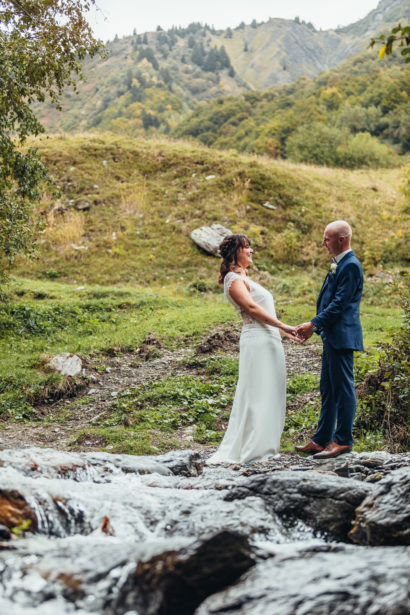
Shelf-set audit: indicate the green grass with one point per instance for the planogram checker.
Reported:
(75, 321)
(44, 318)
(142, 273)
(137, 441)
(157, 411)
(145, 198)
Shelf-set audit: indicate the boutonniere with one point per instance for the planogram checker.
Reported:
(333, 268)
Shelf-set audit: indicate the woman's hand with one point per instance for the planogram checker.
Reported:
(291, 333)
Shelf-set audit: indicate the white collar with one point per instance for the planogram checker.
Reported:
(339, 257)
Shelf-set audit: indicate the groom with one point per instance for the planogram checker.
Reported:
(338, 323)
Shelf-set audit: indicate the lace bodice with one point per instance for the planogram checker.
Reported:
(260, 295)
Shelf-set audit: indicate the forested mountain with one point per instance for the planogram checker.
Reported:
(345, 117)
(149, 82)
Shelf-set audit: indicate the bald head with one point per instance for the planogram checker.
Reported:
(340, 228)
(337, 237)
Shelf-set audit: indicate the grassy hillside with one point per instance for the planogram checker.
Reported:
(116, 263)
(128, 207)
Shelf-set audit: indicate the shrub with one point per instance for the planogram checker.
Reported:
(384, 395)
(314, 143)
(363, 150)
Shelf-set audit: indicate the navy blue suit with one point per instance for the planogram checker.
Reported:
(338, 322)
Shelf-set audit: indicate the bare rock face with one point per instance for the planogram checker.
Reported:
(324, 502)
(383, 518)
(67, 364)
(209, 237)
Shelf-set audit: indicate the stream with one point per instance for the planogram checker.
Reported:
(94, 532)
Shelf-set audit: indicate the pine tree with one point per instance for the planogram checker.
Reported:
(212, 61)
(198, 54)
(224, 58)
(149, 55)
(128, 79)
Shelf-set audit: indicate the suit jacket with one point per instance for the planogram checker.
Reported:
(338, 305)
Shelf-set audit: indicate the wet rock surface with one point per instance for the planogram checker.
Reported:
(117, 534)
(383, 518)
(324, 502)
(309, 581)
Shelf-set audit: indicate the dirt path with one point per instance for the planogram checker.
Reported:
(58, 423)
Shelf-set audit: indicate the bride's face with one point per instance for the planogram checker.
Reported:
(244, 256)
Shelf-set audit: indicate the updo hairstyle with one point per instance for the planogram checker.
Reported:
(228, 250)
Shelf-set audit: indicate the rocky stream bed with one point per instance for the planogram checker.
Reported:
(118, 534)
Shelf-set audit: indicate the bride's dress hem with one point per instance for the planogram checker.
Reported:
(223, 461)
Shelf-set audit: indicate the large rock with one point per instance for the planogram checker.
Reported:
(209, 237)
(176, 582)
(304, 581)
(325, 502)
(383, 518)
(171, 576)
(67, 364)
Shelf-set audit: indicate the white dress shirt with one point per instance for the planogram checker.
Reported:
(339, 257)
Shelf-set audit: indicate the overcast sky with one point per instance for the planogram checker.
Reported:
(122, 16)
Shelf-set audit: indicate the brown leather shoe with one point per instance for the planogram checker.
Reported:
(310, 447)
(333, 450)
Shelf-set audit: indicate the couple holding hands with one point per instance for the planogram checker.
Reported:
(258, 412)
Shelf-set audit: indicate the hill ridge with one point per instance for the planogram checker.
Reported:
(150, 81)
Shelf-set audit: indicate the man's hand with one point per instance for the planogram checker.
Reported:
(305, 330)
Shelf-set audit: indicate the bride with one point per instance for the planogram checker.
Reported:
(258, 411)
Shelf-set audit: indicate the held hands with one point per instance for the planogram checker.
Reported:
(292, 333)
(304, 331)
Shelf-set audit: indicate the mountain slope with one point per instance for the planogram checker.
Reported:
(128, 207)
(149, 82)
(358, 106)
(281, 51)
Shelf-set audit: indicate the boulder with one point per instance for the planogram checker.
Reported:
(325, 502)
(209, 237)
(383, 518)
(308, 581)
(67, 364)
(82, 205)
(178, 581)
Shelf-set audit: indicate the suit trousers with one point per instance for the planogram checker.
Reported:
(338, 397)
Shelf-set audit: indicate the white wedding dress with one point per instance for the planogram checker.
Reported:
(258, 411)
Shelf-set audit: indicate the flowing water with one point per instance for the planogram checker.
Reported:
(115, 534)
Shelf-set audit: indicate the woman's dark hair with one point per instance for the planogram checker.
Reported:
(228, 249)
